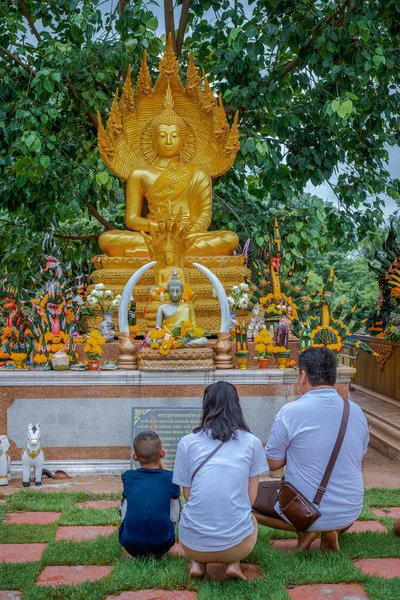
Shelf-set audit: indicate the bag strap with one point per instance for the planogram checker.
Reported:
(207, 459)
(335, 452)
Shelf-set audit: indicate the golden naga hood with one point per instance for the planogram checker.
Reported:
(127, 141)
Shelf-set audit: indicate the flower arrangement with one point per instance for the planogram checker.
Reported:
(161, 340)
(239, 298)
(187, 294)
(105, 299)
(392, 331)
(291, 364)
(94, 345)
(280, 350)
(187, 332)
(326, 336)
(264, 344)
(134, 330)
(241, 338)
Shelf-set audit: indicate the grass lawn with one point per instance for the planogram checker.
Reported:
(281, 570)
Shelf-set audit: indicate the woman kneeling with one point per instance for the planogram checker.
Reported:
(218, 466)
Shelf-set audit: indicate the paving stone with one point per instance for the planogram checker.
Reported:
(80, 533)
(100, 504)
(328, 591)
(291, 544)
(217, 571)
(155, 595)
(62, 575)
(392, 511)
(381, 567)
(177, 550)
(21, 553)
(361, 526)
(33, 518)
(9, 595)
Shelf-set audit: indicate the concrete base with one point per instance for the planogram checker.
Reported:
(87, 416)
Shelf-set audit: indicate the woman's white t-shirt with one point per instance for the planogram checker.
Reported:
(218, 513)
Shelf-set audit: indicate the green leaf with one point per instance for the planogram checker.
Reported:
(299, 225)
(345, 108)
(44, 161)
(351, 96)
(152, 23)
(364, 33)
(320, 216)
(335, 104)
(102, 177)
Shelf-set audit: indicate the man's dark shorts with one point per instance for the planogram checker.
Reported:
(267, 497)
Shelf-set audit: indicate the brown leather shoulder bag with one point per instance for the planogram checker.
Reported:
(293, 504)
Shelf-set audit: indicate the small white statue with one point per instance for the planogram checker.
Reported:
(5, 461)
(32, 456)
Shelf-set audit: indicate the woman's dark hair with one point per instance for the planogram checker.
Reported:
(222, 413)
(319, 364)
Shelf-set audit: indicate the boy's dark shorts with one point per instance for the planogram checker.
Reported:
(267, 497)
(143, 549)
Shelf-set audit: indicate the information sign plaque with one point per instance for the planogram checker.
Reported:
(171, 424)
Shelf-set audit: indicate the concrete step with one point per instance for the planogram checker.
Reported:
(383, 415)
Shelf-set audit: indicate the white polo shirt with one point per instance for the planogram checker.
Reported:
(305, 431)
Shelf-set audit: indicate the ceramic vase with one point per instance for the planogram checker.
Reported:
(242, 358)
(281, 359)
(263, 362)
(93, 365)
(107, 327)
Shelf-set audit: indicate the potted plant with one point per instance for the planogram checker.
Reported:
(94, 349)
(263, 348)
(108, 304)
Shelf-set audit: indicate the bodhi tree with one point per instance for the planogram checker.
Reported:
(315, 84)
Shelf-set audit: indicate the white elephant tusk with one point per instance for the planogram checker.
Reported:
(127, 294)
(223, 300)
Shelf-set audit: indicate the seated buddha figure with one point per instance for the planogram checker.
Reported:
(167, 142)
(177, 312)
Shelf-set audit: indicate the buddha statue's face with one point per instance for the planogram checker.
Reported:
(175, 292)
(168, 140)
(169, 257)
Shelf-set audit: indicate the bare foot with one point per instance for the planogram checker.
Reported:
(235, 572)
(198, 569)
(305, 540)
(329, 541)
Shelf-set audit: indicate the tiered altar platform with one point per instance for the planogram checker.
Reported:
(85, 417)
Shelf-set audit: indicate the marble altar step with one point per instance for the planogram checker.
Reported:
(383, 416)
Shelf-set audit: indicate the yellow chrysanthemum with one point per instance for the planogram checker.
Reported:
(198, 332)
(94, 334)
(101, 340)
(260, 348)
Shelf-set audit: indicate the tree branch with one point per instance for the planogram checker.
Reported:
(182, 26)
(31, 22)
(217, 197)
(19, 62)
(97, 216)
(170, 21)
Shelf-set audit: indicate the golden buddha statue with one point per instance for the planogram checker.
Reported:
(167, 142)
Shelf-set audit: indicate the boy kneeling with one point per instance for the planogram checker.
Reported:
(146, 528)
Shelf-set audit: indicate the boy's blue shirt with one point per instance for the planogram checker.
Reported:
(148, 493)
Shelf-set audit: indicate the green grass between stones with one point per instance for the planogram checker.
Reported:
(281, 570)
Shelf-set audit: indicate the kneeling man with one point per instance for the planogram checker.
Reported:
(302, 437)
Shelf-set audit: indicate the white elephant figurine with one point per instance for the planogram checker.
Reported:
(5, 461)
(32, 456)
